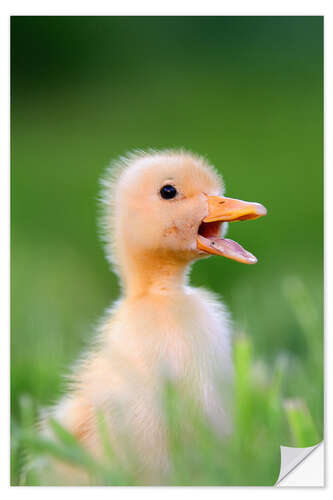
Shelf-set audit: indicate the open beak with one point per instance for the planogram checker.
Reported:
(221, 210)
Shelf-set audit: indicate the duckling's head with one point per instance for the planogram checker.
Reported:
(170, 205)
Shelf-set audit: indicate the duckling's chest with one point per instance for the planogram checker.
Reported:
(184, 336)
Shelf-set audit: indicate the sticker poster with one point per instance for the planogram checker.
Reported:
(166, 250)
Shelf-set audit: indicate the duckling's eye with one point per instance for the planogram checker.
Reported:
(168, 192)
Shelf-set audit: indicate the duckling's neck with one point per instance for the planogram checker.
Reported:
(154, 274)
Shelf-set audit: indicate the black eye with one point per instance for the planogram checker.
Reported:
(168, 192)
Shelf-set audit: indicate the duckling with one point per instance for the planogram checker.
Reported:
(162, 211)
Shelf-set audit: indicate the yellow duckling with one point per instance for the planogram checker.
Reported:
(163, 211)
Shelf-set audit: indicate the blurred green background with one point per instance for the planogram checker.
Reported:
(247, 92)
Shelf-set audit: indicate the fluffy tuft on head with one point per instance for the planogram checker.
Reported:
(136, 220)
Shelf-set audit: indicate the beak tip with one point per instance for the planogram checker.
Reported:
(261, 210)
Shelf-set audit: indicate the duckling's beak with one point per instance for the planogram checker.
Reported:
(221, 210)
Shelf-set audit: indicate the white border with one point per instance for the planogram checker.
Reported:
(172, 7)
(4, 270)
(142, 7)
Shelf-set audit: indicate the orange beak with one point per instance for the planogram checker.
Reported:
(221, 210)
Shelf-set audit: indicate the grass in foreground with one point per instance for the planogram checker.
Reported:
(263, 419)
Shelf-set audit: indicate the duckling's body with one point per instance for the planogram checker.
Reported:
(160, 327)
(182, 335)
